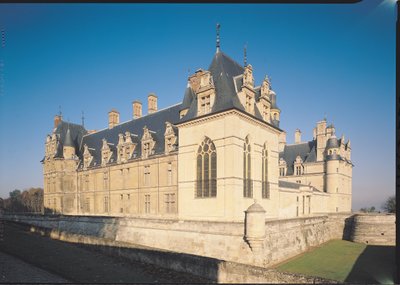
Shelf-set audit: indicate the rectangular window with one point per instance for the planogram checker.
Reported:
(205, 107)
(87, 205)
(147, 175)
(147, 204)
(105, 181)
(86, 182)
(169, 200)
(304, 201)
(170, 173)
(105, 204)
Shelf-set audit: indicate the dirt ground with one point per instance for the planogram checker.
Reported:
(80, 265)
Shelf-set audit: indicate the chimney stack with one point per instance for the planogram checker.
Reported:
(113, 118)
(137, 109)
(282, 141)
(297, 136)
(57, 120)
(152, 103)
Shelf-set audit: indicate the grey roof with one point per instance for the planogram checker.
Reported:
(187, 98)
(306, 151)
(332, 143)
(155, 122)
(68, 139)
(223, 70)
(273, 101)
(287, 184)
(76, 132)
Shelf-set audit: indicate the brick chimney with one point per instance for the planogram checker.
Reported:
(113, 118)
(57, 120)
(297, 136)
(152, 103)
(137, 109)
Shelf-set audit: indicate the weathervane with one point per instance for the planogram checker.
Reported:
(59, 110)
(218, 27)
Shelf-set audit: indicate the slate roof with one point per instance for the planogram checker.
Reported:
(76, 134)
(307, 152)
(155, 122)
(226, 74)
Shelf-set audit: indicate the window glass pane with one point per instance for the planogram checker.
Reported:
(199, 176)
(206, 175)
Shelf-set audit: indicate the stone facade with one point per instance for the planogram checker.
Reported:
(206, 158)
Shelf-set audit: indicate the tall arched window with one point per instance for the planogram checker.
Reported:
(206, 170)
(247, 182)
(265, 187)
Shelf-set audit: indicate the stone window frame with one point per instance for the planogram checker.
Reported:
(247, 181)
(265, 189)
(146, 175)
(147, 200)
(170, 201)
(169, 174)
(106, 204)
(206, 169)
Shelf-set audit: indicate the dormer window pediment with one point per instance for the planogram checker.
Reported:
(170, 138)
(87, 157)
(148, 143)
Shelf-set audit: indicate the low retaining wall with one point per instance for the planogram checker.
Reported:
(210, 268)
(220, 241)
(375, 229)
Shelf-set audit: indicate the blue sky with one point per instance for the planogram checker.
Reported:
(335, 60)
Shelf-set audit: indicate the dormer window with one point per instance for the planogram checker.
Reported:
(105, 153)
(249, 103)
(298, 166)
(205, 106)
(265, 112)
(282, 167)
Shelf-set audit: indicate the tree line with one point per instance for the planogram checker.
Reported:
(27, 201)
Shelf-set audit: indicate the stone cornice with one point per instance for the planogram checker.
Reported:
(247, 117)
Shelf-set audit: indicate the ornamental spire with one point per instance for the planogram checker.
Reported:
(218, 43)
(245, 55)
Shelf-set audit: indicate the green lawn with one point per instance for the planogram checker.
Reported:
(346, 261)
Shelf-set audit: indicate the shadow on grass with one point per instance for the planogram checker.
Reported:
(375, 265)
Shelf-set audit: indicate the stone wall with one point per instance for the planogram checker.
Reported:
(221, 240)
(375, 229)
(216, 270)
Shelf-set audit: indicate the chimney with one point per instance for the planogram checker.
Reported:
(152, 103)
(113, 118)
(297, 136)
(282, 141)
(57, 120)
(137, 109)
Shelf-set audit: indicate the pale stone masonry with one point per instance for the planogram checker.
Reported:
(207, 158)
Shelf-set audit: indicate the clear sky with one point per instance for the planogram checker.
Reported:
(333, 60)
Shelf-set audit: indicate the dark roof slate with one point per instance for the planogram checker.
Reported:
(76, 133)
(155, 122)
(306, 151)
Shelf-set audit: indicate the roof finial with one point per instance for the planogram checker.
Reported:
(83, 120)
(218, 45)
(59, 110)
(245, 55)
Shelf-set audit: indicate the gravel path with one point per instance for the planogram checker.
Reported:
(80, 265)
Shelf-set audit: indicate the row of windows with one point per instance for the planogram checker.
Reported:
(169, 203)
(206, 168)
(146, 178)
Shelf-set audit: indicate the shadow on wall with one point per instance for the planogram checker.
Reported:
(348, 228)
(376, 260)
